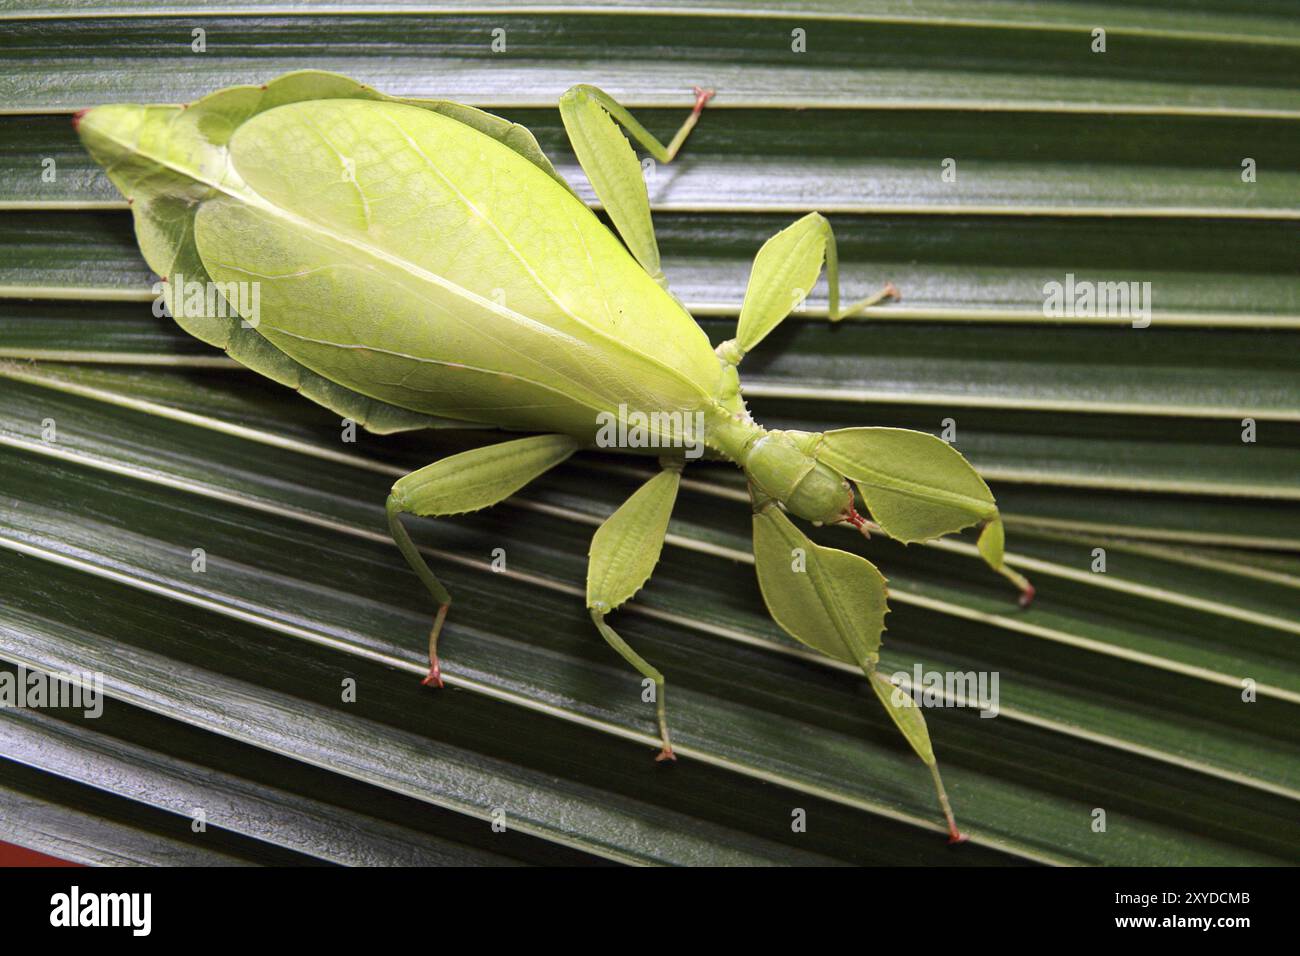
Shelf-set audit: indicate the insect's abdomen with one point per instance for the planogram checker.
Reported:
(416, 260)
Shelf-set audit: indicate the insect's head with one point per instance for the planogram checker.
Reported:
(782, 465)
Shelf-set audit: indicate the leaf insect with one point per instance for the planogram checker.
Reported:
(419, 261)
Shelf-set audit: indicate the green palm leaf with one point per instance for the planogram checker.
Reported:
(1120, 690)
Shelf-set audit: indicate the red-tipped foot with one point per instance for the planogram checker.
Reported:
(702, 96)
(76, 118)
(434, 678)
(956, 837)
(1027, 595)
(666, 754)
(892, 292)
(858, 522)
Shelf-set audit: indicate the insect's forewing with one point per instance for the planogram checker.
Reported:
(167, 160)
(415, 260)
(402, 255)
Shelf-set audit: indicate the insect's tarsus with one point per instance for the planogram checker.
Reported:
(434, 677)
(861, 523)
(1027, 590)
(954, 835)
(598, 611)
(702, 96)
(404, 543)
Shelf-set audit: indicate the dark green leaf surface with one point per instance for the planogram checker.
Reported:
(316, 500)
(1264, 22)
(1119, 689)
(831, 161)
(965, 269)
(104, 754)
(752, 59)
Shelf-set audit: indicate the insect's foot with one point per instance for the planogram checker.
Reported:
(434, 677)
(955, 836)
(891, 292)
(1027, 594)
(702, 96)
(859, 522)
(666, 754)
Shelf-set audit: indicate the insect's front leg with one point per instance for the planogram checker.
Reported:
(466, 482)
(835, 602)
(784, 272)
(918, 487)
(624, 552)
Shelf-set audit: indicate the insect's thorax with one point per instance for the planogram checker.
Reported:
(781, 465)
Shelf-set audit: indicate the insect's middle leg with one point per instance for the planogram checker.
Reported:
(784, 272)
(459, 483)
(623, 554)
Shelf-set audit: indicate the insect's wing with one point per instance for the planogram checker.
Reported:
(519, 138)
(372, 223)
(151, 154)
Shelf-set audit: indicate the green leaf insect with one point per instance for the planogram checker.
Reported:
(417, 262)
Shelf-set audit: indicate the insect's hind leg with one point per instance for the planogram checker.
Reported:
(624, 551)
(459, 483)
(430, 580)
(590, 117)
(619, 113)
